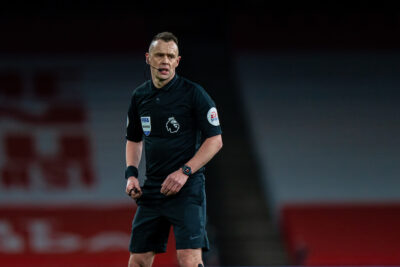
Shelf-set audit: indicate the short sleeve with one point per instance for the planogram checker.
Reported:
(206, 113)
(134, 130)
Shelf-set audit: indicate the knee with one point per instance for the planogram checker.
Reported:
(137, 260)
(189, 259)
(187, 262)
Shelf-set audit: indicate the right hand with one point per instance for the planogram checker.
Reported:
(132, 184)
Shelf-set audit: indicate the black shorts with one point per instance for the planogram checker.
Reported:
(185, 212)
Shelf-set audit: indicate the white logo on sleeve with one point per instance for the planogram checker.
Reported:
(212, 116)
(127, 121)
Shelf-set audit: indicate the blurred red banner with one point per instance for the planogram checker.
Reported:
(78, 235)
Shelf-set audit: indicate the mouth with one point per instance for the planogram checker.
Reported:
(163, 71)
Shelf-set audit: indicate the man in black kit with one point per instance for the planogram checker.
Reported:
(180, 126)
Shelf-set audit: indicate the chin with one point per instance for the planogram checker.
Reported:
(164, 77)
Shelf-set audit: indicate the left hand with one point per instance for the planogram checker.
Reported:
(173, 183)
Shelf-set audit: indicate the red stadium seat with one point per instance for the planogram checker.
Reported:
(346, 234)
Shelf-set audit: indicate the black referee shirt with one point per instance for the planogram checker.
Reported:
(173, 120)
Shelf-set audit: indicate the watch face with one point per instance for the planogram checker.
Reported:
(186, 170)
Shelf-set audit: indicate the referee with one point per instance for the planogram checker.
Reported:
(179, 125)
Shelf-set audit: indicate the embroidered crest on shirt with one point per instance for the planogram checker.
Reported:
(172, 125)
(146, 125)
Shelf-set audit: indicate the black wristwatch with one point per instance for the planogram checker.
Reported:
(186, 170)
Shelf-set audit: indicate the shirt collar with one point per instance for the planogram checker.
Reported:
(167, 86)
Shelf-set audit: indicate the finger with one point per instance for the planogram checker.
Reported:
(165, 188)
(168, 188)
(179, 188)
(128, 189)
(130, 186)
(174, 189)
(136, 194)
(165, 181)
(165, 185)
(135, 191)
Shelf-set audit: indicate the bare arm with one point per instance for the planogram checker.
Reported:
(210, 147)
(133, 153)
(133, 156)
(206, 152)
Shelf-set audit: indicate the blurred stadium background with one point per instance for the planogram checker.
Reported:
(308, 96)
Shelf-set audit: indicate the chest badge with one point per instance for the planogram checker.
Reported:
(146, 125)
(172, 125)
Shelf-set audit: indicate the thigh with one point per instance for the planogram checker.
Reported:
(187, 214)
(150, 231)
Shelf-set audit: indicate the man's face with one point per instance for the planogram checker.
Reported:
(164, 56)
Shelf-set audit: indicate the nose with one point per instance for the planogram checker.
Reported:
(165, 59)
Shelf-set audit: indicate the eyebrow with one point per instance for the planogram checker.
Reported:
(161, 54)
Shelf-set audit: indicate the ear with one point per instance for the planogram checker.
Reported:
(177, 60)
(147, 58)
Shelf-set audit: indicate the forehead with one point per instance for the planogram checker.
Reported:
(160, 46)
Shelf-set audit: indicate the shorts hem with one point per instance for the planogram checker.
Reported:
(203, 246)
(144, 250)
